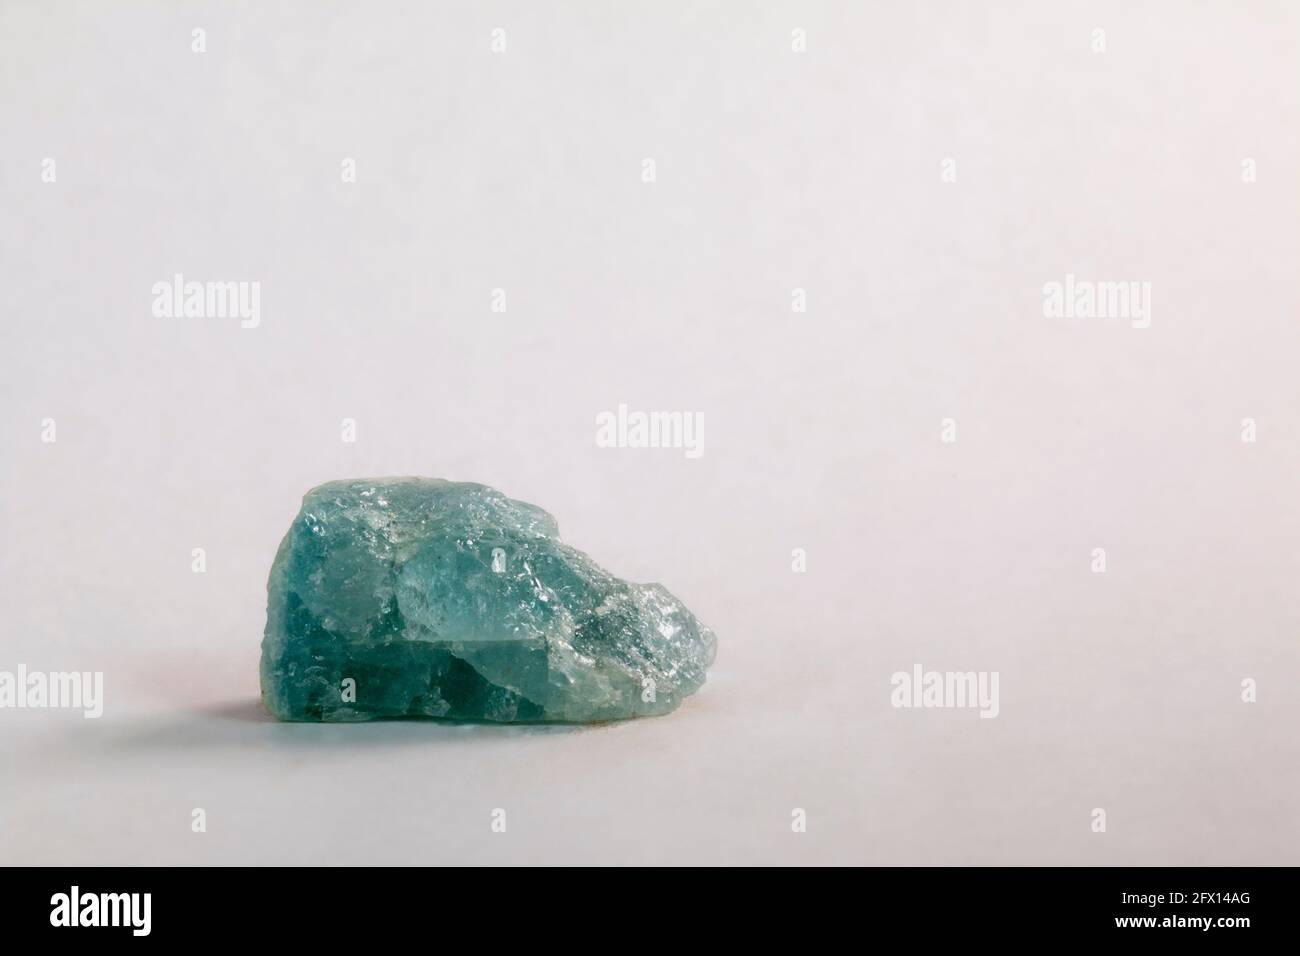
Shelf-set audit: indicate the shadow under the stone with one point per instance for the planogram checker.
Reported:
(252, 711)
(245, 724)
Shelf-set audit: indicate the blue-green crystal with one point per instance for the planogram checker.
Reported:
(418, 597)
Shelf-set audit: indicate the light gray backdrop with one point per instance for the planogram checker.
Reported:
(1122, 155)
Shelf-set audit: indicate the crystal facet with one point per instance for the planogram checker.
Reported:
(418, 597)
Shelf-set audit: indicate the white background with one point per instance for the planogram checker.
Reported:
(775, 170)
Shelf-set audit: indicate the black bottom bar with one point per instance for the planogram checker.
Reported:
(333, 906)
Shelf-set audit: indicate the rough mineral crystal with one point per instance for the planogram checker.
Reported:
(418, 597)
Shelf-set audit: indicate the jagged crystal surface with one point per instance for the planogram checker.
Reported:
(418, 597)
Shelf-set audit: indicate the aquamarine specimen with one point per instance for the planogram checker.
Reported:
(418, 597)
